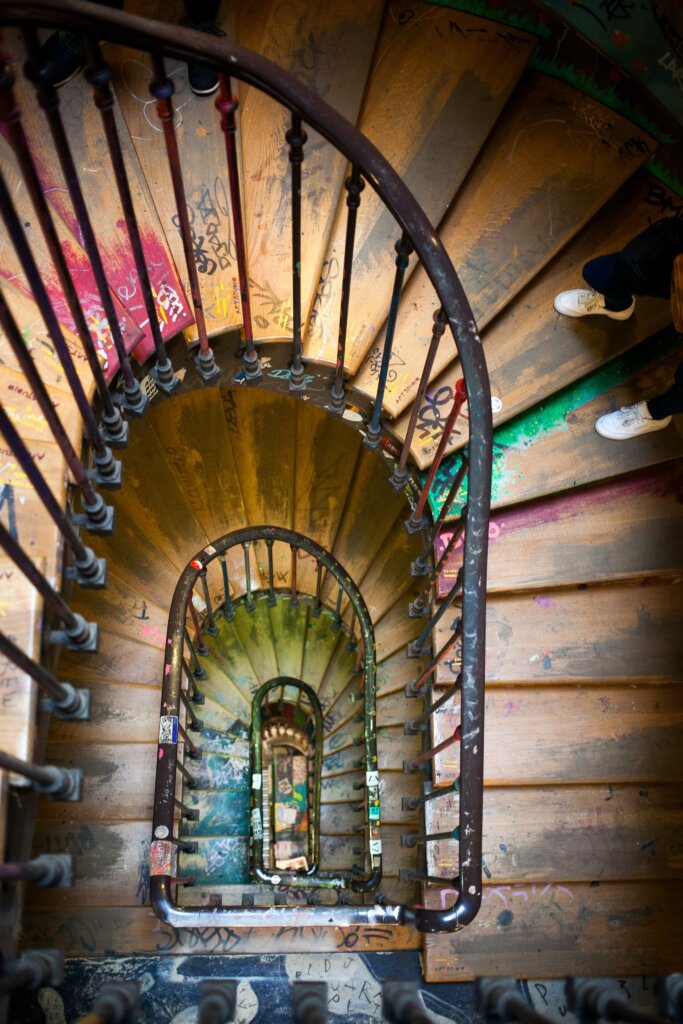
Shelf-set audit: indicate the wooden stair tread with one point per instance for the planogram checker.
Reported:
(118, 780)
(568, 833)
(459, 71)
(531, 351)
(552, 931)
(320, 643)
(561, 735)
(602, 633)
(256, 636)
(123, 610)
(571, 538)
(335, 61)
(119, 713)
(551, 162)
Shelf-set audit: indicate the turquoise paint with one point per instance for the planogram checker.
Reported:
(524, 22)
(221, 813)
(548, 417)
(220, 860)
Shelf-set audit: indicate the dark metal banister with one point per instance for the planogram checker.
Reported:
(196, 47)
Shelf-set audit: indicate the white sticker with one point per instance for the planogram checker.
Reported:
(168, 729)
(161, 831)
(256, 827)
(256, 781)
(372, 779)
(496, 405)
(210, 550)
(375, 847)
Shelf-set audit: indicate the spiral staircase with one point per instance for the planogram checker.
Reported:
(317, 413)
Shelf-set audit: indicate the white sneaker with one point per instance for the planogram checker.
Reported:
(584, 301)
(629, 421)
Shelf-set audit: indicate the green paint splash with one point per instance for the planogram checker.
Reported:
(550, 416)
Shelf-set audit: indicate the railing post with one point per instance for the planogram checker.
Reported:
(47, 871)
(354, 187)
(217, 1001)
(402, 1003)
(309, 1002)
(296, 138)
(33, 970)
(63, 699)
(56, 783)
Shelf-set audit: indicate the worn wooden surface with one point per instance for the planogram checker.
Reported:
(532, 351)
(553, 930)
(334, 61)
(571, 538)
(438, 83)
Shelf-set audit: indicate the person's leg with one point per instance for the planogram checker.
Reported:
(604, 276)
(671, 402)
(202, 14)
(63, 53)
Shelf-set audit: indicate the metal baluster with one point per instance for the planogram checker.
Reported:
(116, 1003)
(248, 599)
(337, 621)
(199, 635)
(77, 634)
(162, 88)
(317, 607)
(55, 783)
(192, 751)
(227, 105)
(402, 1003)
(48, 870)
(33, 970)
(212, 628)
(272, 600)
(108, 469)
(415, 689)
(228, 609)
(417, 606)
(309, 1002)
(63, 699)
(296, 137)
(420, 724)
(198, 670)
(196, 694)
(351, 645)
(354, 187)
(409, 839)
(217, 1001)
(189, 813)
(411, 803)
(88, 570)
(428, 755)
(98, 73)
(416, 521)
(499, 999)
(134, 400)
(98, 517)
(403, 248)
(196, 724)
(400, 473)
(190, 779)
(416, 648)
(407, 875)
(421, 564)
(294, 597)
(594, 999)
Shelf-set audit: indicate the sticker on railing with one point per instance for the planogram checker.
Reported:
(168, 729)
(256, 827)
(256, 781)
(210, 550)
(373, 813)
(376, 847)
(371, 779)
(196, 564)
(161, 857)
(161, 832)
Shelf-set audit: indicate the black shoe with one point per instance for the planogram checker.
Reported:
(203, 81)
(63, 55)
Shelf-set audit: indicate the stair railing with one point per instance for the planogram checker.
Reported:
(416, 234)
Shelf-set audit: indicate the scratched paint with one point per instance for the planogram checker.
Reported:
(549, 417)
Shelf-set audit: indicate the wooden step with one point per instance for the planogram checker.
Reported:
(624, 632)
(609, 531)
(255, 633)
(608, 929)
(615, 735)
(320, 643)
(119, 780)
(395, 629)
(337, 679)
(225, 859)
(124, 610)
(459, 71)
(531, 351)
(334, 62)
(119, 713)
(552, 161)
(568, 833)
(554, 446)
(119, 660)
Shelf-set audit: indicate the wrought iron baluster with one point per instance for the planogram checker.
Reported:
(211, 627)
(196, 724)
(271, 576)
(417, 606)
(400, 473)
(309, 1002)
(48, 870)
(296, 137)
(78, 634)
(337, 620)
(227, 105)
(248, 598)
(428, 755)
(162, 88)
(421, 564)
(186, 845)
(99, 74)
(411, 803)
(99, 518)
(190, 779)
(294, 596)
(134, 399)
(55, 783)
(416, 688)
(403, 248)
(88, 570)
(33, 970)
(189, 813)
(354, 187)
(217, 1001)
(228, 609)
(402, 1003)
(317, 607)
(420, 724)
(196, 694)
(63, 699)
(416, 647)
(116, 1003)
(416, 521)
(409, 839)
(191, 749)
(199, 635)
(198, 669)
(108, 468)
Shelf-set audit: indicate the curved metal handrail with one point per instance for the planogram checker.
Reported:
(257, 779)
(230, 59)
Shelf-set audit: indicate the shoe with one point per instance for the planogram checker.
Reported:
(629, 421)
(583, 301)
(63, 56)
(203, 81)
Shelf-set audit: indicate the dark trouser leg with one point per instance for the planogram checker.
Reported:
(671, 402)
(200, 12)
(604, 276)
